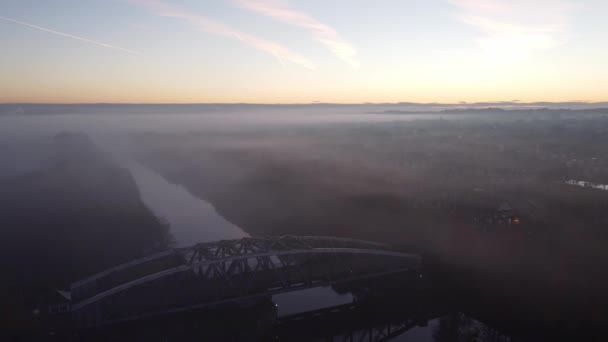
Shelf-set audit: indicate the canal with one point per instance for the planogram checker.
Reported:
(192, 220)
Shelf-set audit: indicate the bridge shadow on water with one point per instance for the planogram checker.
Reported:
(383, 308)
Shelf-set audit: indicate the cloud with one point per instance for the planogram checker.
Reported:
(209, 25)
(515, 29)
(82, 39)
(321, 33)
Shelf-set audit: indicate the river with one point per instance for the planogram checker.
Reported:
(192, 220)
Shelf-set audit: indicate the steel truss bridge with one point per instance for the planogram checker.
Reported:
(228, 272)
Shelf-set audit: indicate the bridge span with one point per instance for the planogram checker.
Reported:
(228, 272)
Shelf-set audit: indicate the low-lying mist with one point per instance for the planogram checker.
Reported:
(486, 195)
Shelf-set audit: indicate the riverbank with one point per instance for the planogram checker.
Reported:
(68, 211)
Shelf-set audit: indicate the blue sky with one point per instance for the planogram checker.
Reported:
(302, 51)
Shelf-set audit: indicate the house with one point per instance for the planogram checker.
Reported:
(507, 214)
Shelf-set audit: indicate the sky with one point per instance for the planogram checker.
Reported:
(302, 51)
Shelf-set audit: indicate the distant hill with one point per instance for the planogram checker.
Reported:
(387, 108)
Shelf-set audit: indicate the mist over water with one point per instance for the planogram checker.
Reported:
(112, 132)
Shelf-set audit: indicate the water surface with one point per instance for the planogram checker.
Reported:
(192, 220)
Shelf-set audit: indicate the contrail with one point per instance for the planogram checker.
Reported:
(72, 36)
(210, 25)
(321, 33)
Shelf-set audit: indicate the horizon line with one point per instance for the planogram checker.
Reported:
(311, 103)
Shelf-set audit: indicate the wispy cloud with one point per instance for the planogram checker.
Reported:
(67, 35)
(321, 33)
(209, 25)
(515, 29)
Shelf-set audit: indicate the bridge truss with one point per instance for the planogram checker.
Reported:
(228, 271)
